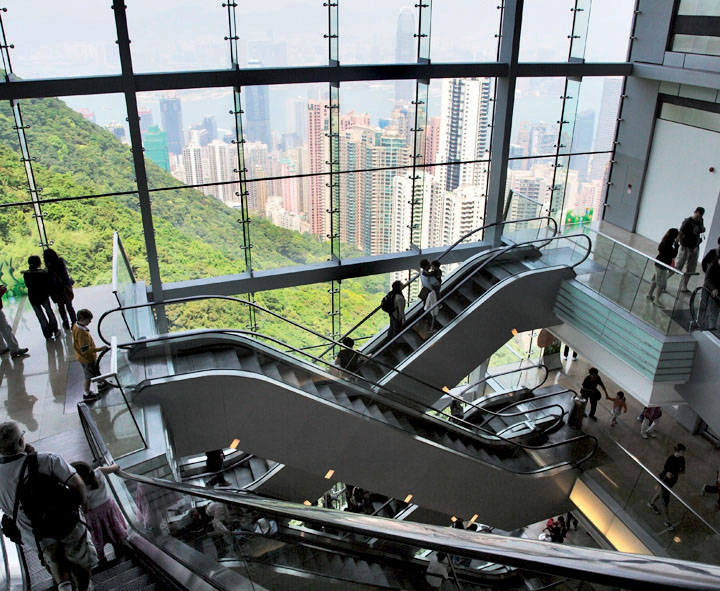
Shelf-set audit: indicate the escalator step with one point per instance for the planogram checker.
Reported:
(288, 376)
(376, 413)
(258, 467)
(391, 419)
(243, 475)
(139, 584)
(342, 399)
(271, 370)
(324, 391)
(226, 359)
(359, 405)
(250, 363)
(309, 387)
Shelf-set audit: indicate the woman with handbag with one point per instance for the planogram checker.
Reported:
(62, 291)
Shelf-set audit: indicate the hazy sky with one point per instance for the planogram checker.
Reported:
(76, 37)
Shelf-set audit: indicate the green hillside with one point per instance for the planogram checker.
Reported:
(197, 236)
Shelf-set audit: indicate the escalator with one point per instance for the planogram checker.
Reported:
(314, 548)
(241, 381)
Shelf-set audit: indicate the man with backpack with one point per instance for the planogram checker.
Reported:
(40, 496)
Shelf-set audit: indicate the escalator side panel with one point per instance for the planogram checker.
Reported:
(484, 327)
(275, 421)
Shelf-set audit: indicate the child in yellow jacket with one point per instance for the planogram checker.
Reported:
(86, 352)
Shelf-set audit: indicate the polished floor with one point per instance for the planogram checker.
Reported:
(34, 391)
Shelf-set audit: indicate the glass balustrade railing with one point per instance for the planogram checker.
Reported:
(681, 533)
(705, 310)
(239, 540)
(625, 276)
(119, 419)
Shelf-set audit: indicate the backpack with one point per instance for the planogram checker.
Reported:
(50, 505)
(388, 302)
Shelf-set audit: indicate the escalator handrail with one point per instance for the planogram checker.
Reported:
(501, 413)
(595, 565)
(495, 254)
(288, 347)
(505, 373)
(693, 312)
(444, 253)
(450, 420)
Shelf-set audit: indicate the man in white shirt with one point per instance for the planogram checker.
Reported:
(437, 572)
(71, 558)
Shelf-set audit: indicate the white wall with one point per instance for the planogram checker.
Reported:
(678, 180)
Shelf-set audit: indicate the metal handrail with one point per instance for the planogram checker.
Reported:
(505, 373)
(445, 253)
(452, 421)
(628, 247)
(524, 412)
(630, 571)
(495, 254)
(693, 312)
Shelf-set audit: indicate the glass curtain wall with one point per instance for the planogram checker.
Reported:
(259, 177)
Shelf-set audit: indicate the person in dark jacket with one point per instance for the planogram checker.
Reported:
(674, 466)
(62, 290)
(710, 299)
(667, 251)
(689, 239)
(589, 390)
(347, 358)
(39, 285)
(397, 315)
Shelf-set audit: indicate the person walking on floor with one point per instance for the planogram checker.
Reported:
(667, 251)
(51, 493)
(62, 290)
(674, 466)
(86, 352)
(689, 239)
(394, 304)
(102, 514)
(710, 299)
(619, 405)
(9, 342)
(650, 416)
(39, 285)
(589, 390)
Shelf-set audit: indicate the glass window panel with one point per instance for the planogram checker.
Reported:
(597, 113)
(170, 36)
(359, 296)
(197, 235)
(702, 44)
(585, 188)
(188, 138)
(609, 30)
(383, 105)
(474, 37)
(699, 8)
(689, 116)
(308, 305)
(375, 212)
(81, 230)
(75, 38)
(536, 116)
(459, 128)
(531, 181)
(282, 33)
(281, 231)
(18, 231)
(378, 32)
(546, 30)
(81, 145)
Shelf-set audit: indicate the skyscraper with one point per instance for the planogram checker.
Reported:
(318, 150)
(257, 112)
(193, 163)
(155, 144)
(582, 141)
(464, 131)
(432, 142)
(607, 121)
(405, 53)
(221, 162)
(171, 114)
(146, 119)
(295, 120)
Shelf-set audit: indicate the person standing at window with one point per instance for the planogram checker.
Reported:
(689, 239)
